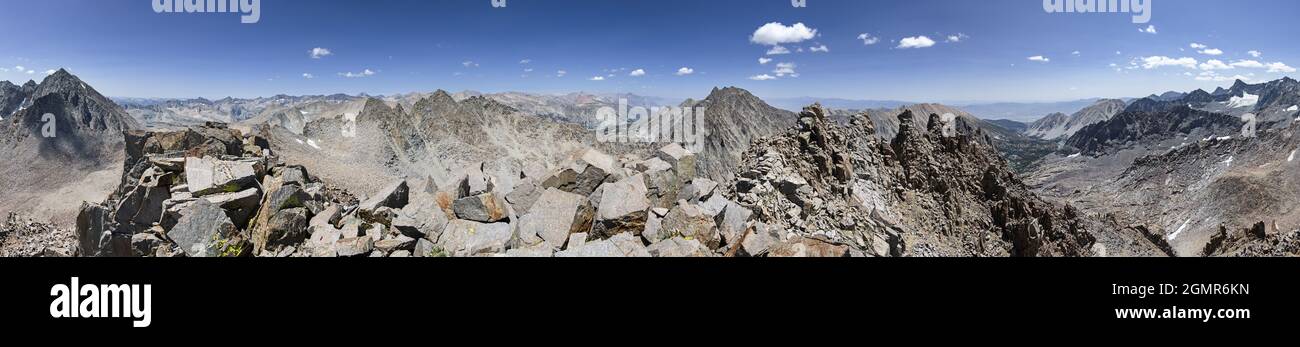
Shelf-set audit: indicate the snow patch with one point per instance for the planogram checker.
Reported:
(1076, 155)
(312, 143)
(1293, 108)
(1245, 100)
(1292, 157)
(299, 141)
(1224, 138)
(1179, 231)
(1229, 161)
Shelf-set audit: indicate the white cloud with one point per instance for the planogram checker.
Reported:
(1215, 64)
(308, 76)
(469, 63)
(597, 78)
(1198, 46)
(1163, 61)
(1039, 58)
(778, 50)
(363, 73)
(764, 61)
(763, 77)
(1151, 29)
(1211, 51)
(1249, 64)
(915, 42)
(525, 61)
(561, 73)
(528, 70)
(31, 72)
(786, 69)
(318, 52)
(1279, 67)
(774, 33)
(50, 72)
(956, 38)
(637, 73)
(1076, 53)
(685, 71)
(1256, 54)
(4, 69)
(867, 39)
(20, 68)
(1275, 67)
(1215, 77)
(821, 48)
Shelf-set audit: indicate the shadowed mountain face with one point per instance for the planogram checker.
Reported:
(1151, 121)
(1138, 128)
(56, 144)
(82, 120)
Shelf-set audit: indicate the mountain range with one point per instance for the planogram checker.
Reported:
(1185, 167)
(1173, 174)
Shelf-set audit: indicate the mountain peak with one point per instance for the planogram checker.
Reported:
(374, 103)
(1239, 85)
(718, 93)
(442, 97)
(62, 73)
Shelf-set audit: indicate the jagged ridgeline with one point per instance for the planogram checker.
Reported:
(818, 189)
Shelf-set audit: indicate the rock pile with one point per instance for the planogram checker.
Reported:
(24, 237)
(213, 192)
(921, 194)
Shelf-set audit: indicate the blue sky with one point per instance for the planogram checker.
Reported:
(124, 48)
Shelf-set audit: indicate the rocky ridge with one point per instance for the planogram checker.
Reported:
(921, 194)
